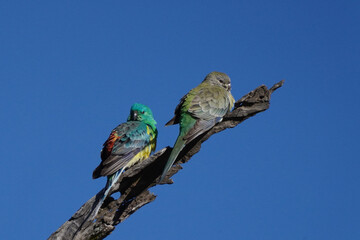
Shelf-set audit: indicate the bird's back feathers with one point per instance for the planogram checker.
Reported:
(125, 142)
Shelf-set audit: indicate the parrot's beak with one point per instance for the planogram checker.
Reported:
(134, 116)
(229, 86)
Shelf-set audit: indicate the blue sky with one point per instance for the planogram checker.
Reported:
(70, 71)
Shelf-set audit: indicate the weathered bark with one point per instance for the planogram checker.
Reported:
(136, 181)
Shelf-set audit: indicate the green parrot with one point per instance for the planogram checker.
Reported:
(199, 110)
(128, 144)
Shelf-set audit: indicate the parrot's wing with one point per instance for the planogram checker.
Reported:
(209, 103)
(199, 128)
(124, 142)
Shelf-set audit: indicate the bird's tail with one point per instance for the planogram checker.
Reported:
(179, 145)
(110, 182)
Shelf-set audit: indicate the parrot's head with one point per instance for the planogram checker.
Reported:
(142, 113)
(218, 79)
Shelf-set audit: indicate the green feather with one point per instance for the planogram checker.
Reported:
(186, 123)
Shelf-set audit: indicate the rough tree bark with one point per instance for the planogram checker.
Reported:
(136, 181)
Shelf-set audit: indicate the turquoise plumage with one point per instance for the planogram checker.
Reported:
(128, 143)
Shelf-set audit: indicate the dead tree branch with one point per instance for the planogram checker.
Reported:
(136, 182)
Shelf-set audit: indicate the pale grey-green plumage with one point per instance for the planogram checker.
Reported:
(199, 110)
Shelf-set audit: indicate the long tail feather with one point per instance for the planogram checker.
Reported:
(179, 145)
(110, 182)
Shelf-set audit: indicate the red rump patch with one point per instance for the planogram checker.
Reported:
(109, 144)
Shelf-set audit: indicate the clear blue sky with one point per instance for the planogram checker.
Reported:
(70, 71)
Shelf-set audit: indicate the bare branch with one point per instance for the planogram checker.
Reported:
(136, 181)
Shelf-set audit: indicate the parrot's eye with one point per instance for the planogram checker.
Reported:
(143, 112)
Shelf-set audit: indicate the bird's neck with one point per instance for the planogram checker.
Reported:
(151, 124)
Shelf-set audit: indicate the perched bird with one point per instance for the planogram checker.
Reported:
(199, 110)
(128, 143)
